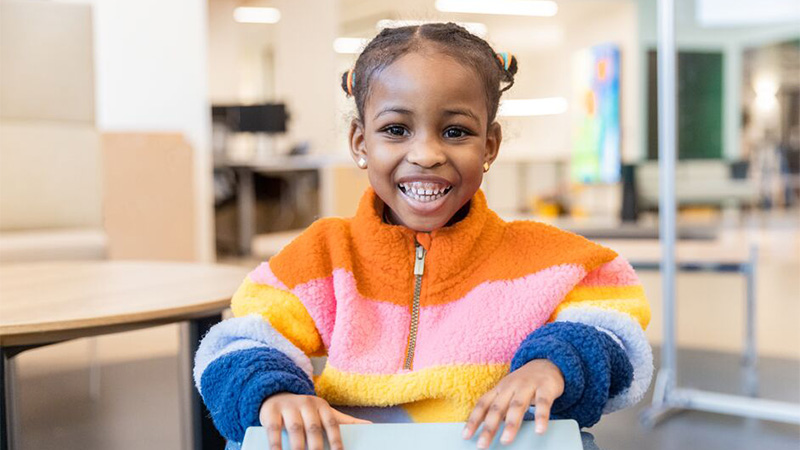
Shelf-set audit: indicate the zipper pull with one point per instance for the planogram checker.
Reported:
(419, 262)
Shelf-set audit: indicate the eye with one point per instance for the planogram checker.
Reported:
(395, 130)
(456, 133)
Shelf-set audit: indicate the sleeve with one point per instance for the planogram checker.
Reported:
(265, 348)
(596, 338)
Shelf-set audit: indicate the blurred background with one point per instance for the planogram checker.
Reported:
(215, 131)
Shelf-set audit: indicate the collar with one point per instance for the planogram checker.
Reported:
(454, 252)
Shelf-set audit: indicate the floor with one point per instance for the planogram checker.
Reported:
(135, 404)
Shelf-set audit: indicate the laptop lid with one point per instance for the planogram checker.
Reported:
(560, 435)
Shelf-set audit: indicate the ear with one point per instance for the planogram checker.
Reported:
(493, 139)
(358, 144)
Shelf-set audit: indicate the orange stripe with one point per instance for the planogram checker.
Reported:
(517, 249)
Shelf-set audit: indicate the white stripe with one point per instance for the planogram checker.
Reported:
(629, 333)
(244, 333)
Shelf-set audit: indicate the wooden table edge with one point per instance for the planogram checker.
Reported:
(57, 331)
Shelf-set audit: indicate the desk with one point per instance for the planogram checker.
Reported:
(706, 256)
(711, 256)
(46, 303)
(277, 165)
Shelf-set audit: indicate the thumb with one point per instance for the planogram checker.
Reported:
(344, 419)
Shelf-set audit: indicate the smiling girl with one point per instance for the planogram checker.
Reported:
(428, 306)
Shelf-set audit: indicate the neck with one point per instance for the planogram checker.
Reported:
(388, 215)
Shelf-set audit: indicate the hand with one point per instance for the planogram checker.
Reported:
(538, 383)
(304, 416)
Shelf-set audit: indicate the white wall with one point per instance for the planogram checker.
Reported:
(305, 71)
(151, 75)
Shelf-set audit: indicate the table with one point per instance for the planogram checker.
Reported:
(712, 256)
(46, 303)
(283, 166)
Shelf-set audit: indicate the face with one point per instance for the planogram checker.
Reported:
(425, 137)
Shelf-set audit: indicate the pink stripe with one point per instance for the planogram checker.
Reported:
(486, 326)
(263, 275)
(489, 323)
(320, 301)
(615, 273)
(374, 336)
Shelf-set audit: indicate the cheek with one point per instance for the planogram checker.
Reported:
(471, 168)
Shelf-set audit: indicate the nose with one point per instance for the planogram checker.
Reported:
(427, 151)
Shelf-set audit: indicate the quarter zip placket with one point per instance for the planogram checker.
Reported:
(419, 269)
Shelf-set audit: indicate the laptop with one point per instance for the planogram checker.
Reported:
(560, 435)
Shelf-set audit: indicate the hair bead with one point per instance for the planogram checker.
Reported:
(351, 80)
(505, 59)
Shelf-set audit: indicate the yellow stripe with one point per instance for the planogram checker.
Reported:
(283, 310)
(627, 299)
(583, 293)
(435, 394)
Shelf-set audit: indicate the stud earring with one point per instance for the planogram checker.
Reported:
(485, 167)
(362, 162)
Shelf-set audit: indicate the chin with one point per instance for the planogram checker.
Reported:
(426, 225)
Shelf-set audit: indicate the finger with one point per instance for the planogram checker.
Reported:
(344, 419)
(517, 408)
(495, 416)
(478, 413)
(543, 401)
(294, 425)
(331, 425)
(313, 428)
(273, 423)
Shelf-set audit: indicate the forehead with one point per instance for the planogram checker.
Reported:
(428, 80)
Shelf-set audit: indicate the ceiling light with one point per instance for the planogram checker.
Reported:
(476, 28)
(349, 45)
(247, 14)
(543, 8)
(533, 107)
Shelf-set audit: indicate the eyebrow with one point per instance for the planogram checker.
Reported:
(395, 109)
(449, 112)
(461, 112)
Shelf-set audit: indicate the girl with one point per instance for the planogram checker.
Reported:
(428, 306)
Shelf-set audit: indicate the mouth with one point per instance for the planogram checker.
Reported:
(424, 192)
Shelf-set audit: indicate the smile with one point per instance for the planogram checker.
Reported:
(424, 191)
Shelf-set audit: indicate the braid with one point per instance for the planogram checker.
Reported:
(497, 74)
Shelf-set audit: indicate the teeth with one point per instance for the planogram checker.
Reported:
(424, 192)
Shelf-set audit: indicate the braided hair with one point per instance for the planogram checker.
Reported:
(496, 71)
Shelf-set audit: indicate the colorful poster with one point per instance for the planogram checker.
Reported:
(596, 139)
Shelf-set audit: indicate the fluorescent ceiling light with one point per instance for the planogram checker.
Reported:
(247, 14)
(349, 45)
(533, 107)
(476, 28)
(544, 8)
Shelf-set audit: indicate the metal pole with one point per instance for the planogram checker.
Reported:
(246, 203)
(750, 359)
(667, 135)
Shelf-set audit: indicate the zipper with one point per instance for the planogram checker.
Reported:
(419, 268)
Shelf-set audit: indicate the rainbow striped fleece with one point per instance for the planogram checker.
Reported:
(493, 296)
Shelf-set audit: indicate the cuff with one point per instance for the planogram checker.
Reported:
(235, 385)
(593, 365)
(564, 356)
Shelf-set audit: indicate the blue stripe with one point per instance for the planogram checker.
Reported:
(593, 365)
(235, 385)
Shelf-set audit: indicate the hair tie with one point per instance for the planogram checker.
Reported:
(505, 59)
(351, 81)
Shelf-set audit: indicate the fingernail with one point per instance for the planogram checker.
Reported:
(540, 428)
(465, 433)
(506, 437)
(483, 443)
